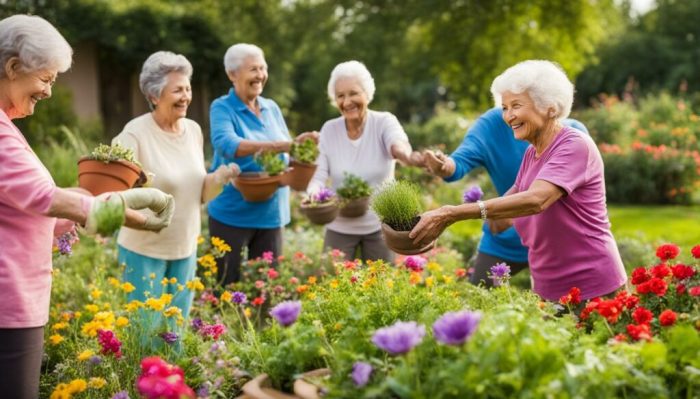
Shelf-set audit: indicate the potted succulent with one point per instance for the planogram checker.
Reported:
(302, 165)
(109, 168)
(354, 193)
(260, 186)
(320, 207)
(398, 205)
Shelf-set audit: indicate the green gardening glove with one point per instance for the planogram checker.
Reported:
(162, 205)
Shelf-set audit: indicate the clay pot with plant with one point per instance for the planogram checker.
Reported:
(398, 205)
(110, 168)
(354, 194)
(320, 207)
(261, 186)
(302, 165)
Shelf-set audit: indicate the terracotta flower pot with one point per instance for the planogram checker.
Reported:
(299, 175)
(308, 390)
(257, 187)
(321, 213)
(100, 177)
(355, 208)
(399, 242)
(258, 388)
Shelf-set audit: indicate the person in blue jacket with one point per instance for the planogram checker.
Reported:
(244, 123)
(491, 144)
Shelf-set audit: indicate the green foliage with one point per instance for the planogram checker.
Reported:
(398, 203)
(110, 153)
(610, 120)
(353, 187)
(304, 152)
(270, 162)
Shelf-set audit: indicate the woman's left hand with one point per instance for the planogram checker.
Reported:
(430, 226)
(314, 135)
(226, 173)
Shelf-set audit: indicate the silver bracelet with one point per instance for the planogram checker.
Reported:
(482, 208)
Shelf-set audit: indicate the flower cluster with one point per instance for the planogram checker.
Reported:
(287, 312)
(213, 331)
(322, 196)
(499, 273)
(473, 194)
(160, 380)
(64, 242)
(415, 263)
(109, 342)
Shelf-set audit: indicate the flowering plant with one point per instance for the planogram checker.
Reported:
(473, 194)
(111, 153)
(323, 196)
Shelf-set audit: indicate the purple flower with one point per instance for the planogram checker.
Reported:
(499, 273)
(323, 195)
(454, 328)
(169, 337)
(360, 373)
(415, 263)
(399, 338)
(95, 360)
(473, 194)
(240, 298)
(121, 395)
(197, 323)
(286, 312)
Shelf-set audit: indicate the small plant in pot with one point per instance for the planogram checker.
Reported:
(109, 168)
(320, 207)
(302, 165)
(261, 186)
(398, 205)
(354, 194)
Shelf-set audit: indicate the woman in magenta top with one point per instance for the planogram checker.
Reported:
(557, 203)
(32, 53)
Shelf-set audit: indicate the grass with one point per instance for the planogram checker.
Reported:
(653, 224)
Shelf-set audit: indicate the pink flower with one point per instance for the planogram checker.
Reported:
(415, 263)
(160, 380)
(268, 256)
(213, 331)
(109, 343)
(293, 281)
(272, 274)
(259, 284)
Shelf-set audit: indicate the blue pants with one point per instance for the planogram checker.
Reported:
(146, 274)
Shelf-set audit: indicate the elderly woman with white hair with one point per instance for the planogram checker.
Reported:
(557, 203)
(365, 143)
(32, 53)
(244, 123)
(170, 146)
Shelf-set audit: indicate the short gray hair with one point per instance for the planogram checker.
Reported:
(154, 74)
(544, 81)
(236, 55)
(352, 69)
(35, 42)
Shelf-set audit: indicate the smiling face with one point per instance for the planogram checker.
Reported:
(25, 89)
(520, 112)
(175, 97)
(351, 99)
(250, 78)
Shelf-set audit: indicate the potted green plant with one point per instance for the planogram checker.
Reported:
(398, 205)
(109, 168)
(354, 193)
(320, 207)
(260, 186)
(302, 165)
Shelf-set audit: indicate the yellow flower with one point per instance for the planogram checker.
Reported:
(77, 386)
(390, 283)
(195, 285)
(56, 339)
(429, 281)
(247, 312)
(133, 305)
(434, 267)
(200, 240)
(97, 382)
(337, 326)
(180, 287)
(60, 392)
(152, 276)
(208, 273)
(113, 282)
(334, 283)
(66, 316)
(122, 321)
(311, 296)
(207, 261)
(447, 279)
(164, 281)
(92, 308)
(226, 296)
(95, 293)
(311, 280)
(85, 355)
(128, 287)
(415, 278)
(155, 304)
(220, 244)
(173, 280)
(59, 326)
(172, 311)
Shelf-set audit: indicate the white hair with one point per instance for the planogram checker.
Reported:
(236, 54)
(154, 74)
(352, 69)
(544, 81)
(35, 42)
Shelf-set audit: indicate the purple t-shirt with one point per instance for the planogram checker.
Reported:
(570, 243)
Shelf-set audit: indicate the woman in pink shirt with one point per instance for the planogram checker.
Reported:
(32, 53)
(557, 203)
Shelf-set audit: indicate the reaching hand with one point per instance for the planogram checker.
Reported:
(162, 204)
(438, 164)
(226, 173)
(313, 135)
(416, 159)
(430, 226)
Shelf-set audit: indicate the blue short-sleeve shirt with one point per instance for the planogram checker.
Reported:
(232, 122)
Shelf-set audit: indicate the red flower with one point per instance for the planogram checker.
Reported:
(631, 301)
(644, 288)
(350, 265)
(667, 317)
(353, 279)
(258, 301)
(590, 307)
(461, 272)
(610, 309)
(681, 272)
(572, 298)
(680, 289)
(658, 286)
(639, 275)
(660, 271)
(272, 274)
(109, 342)
(694, 291)
(621, 338)
(667, 251)
(696, 252)
(639, 332)
(642, 315)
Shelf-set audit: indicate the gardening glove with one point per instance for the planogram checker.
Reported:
(162, 205)
(226, 173)
(105, 213)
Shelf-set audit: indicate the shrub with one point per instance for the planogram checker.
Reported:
(647, 174)
(304, 152)
(398, 203)
(610, 120)
(354, 187)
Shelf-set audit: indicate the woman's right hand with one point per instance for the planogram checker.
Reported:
(438, 164)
